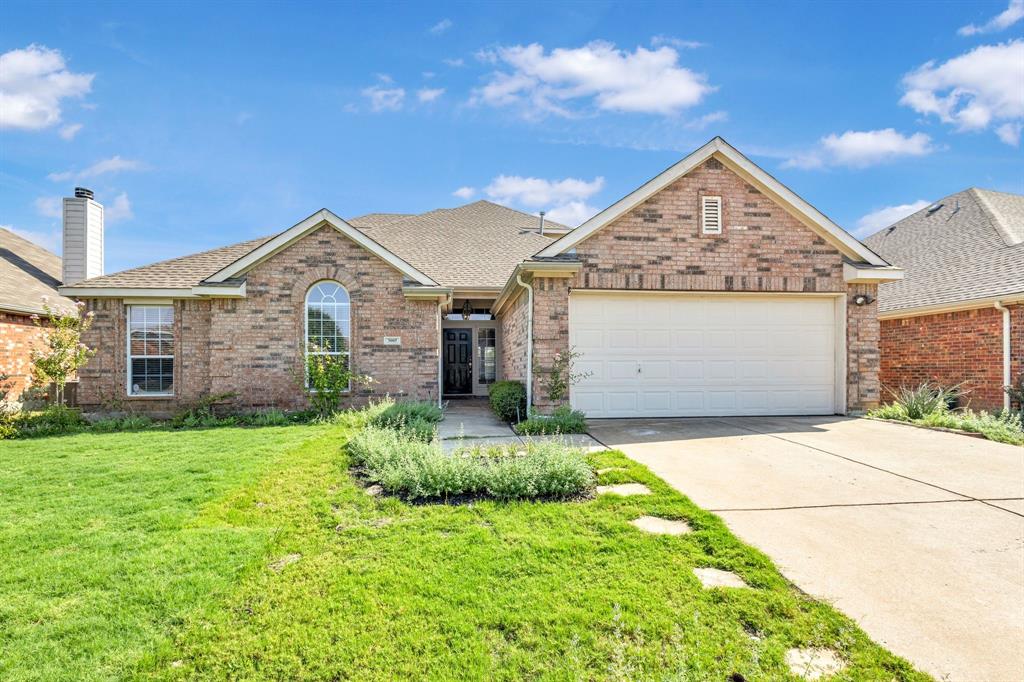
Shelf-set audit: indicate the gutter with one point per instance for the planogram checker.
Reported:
(1006, 352)
(529, 341)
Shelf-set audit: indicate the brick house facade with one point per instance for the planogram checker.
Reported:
(239, 314)
(18, 335)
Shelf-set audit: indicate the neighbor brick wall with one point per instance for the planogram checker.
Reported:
(253, 346)
(763, 248)
(964, 346)
(17, 336)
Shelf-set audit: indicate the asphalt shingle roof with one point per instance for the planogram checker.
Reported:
(971, 247)
(476, 245)
(27, 273)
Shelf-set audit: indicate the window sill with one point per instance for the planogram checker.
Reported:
(147, 396)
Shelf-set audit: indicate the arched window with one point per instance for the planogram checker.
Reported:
(328, 320)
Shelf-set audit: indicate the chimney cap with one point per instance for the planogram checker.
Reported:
(83, 193)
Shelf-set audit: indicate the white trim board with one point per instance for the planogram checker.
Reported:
(301, 229)
(743, 167)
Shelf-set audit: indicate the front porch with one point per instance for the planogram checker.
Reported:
(470, 348)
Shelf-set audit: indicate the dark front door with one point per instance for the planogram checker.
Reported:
(458, 361)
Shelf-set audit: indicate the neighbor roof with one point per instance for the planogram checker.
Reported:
(969, 245)
(27, 273)
(476, 245)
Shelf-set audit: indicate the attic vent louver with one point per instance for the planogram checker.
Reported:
(933, 208)
(711, 215)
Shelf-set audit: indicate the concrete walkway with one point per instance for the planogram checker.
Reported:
(917, 535)
(470, 421)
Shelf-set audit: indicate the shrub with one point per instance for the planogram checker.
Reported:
(562, 420)
(326, 380)
(268, 418)
(925, 399)
(129, 423)
(200, 412)
(55, 420)
(418, 418)
(889, 411)
(1005, 427)
(418, 470)
(508, 400)
(562, 375)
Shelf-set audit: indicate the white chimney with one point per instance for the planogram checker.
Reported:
(83, 237)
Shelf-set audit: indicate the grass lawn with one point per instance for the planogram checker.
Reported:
(148, 555)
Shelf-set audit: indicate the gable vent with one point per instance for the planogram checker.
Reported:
(711, 215)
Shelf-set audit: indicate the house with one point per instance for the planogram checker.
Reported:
(958, 315)
(29, 274)
(710, 290)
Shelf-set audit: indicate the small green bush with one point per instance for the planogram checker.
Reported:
(55, 420)
(508, 400)
(418, 418)
(890, 411)
(201, 412)
(268, 418)
(1004, 427)
(418, 470)
(563, 420)
(129, 423)
(926, 398)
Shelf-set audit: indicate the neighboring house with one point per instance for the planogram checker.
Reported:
(710, 290)
(28, 273)
(958, 315)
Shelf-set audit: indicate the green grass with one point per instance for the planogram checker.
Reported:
(147, 555)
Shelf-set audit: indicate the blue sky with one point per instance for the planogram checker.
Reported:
(199, 125)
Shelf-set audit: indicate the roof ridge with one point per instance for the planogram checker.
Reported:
(1011, 234)
(29, 242)
(516, 210)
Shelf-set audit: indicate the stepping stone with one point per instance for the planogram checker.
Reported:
(713, 577)
(814, 664)
(602, 472)
(278, 566)
(659, 526)
(375, 491)
(624, 489)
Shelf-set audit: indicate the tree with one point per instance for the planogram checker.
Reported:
(62, 352)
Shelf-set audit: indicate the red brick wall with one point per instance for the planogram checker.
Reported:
(763, 248)
(513, 339)
(950, 348)
(253, 346)
(17, 336)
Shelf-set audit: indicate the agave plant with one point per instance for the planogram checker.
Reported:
(926, 398)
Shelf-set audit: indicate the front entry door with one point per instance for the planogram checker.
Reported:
(458, 361)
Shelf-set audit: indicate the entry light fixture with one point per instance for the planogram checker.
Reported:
(467, 310)
(862, 299)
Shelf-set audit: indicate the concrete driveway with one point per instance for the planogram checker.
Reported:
(918, 535)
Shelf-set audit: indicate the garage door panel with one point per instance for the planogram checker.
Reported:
(704, 355)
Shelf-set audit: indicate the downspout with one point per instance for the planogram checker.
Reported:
(440, 351)
(1006, 353)
(529, 341)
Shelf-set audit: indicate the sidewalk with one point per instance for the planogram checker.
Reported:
(470, 421)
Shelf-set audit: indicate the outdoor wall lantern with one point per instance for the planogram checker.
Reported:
(862, 299)
(467, 310)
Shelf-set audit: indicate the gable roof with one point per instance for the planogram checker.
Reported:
(476, 245)
(970, 247)
(28, 272)
(304, 227)
(746, 169)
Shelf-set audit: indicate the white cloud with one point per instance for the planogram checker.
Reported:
(1010, 133)
(707, 119)
(572, 214)
(33, 81)
(973, 90)
(465, 192)
(658, 41)
(456, 63)
(884, 217)
(642, 81)
(69, 131)
(1005, 19)
(120, 209)
(540, 193)
(440, 27)
(384, 98)
(429, 94)
(563, 200)
(859, 149)
(114, 164)
(50, 207)
(49, 240)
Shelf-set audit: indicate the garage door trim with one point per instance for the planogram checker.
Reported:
(840, 338)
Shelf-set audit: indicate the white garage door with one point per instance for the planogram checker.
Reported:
(663, 355)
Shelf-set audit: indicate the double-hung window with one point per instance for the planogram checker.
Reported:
(328, 324)
(150, 350)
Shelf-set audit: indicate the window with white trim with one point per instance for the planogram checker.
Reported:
(150, 350)
(328, 320)
(711, 215)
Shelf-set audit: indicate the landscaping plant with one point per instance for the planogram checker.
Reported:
(418, 419)
(563, 420)
(328, 378)
(508, 400)
(62, 353)
(562, 375)
(926, 398)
